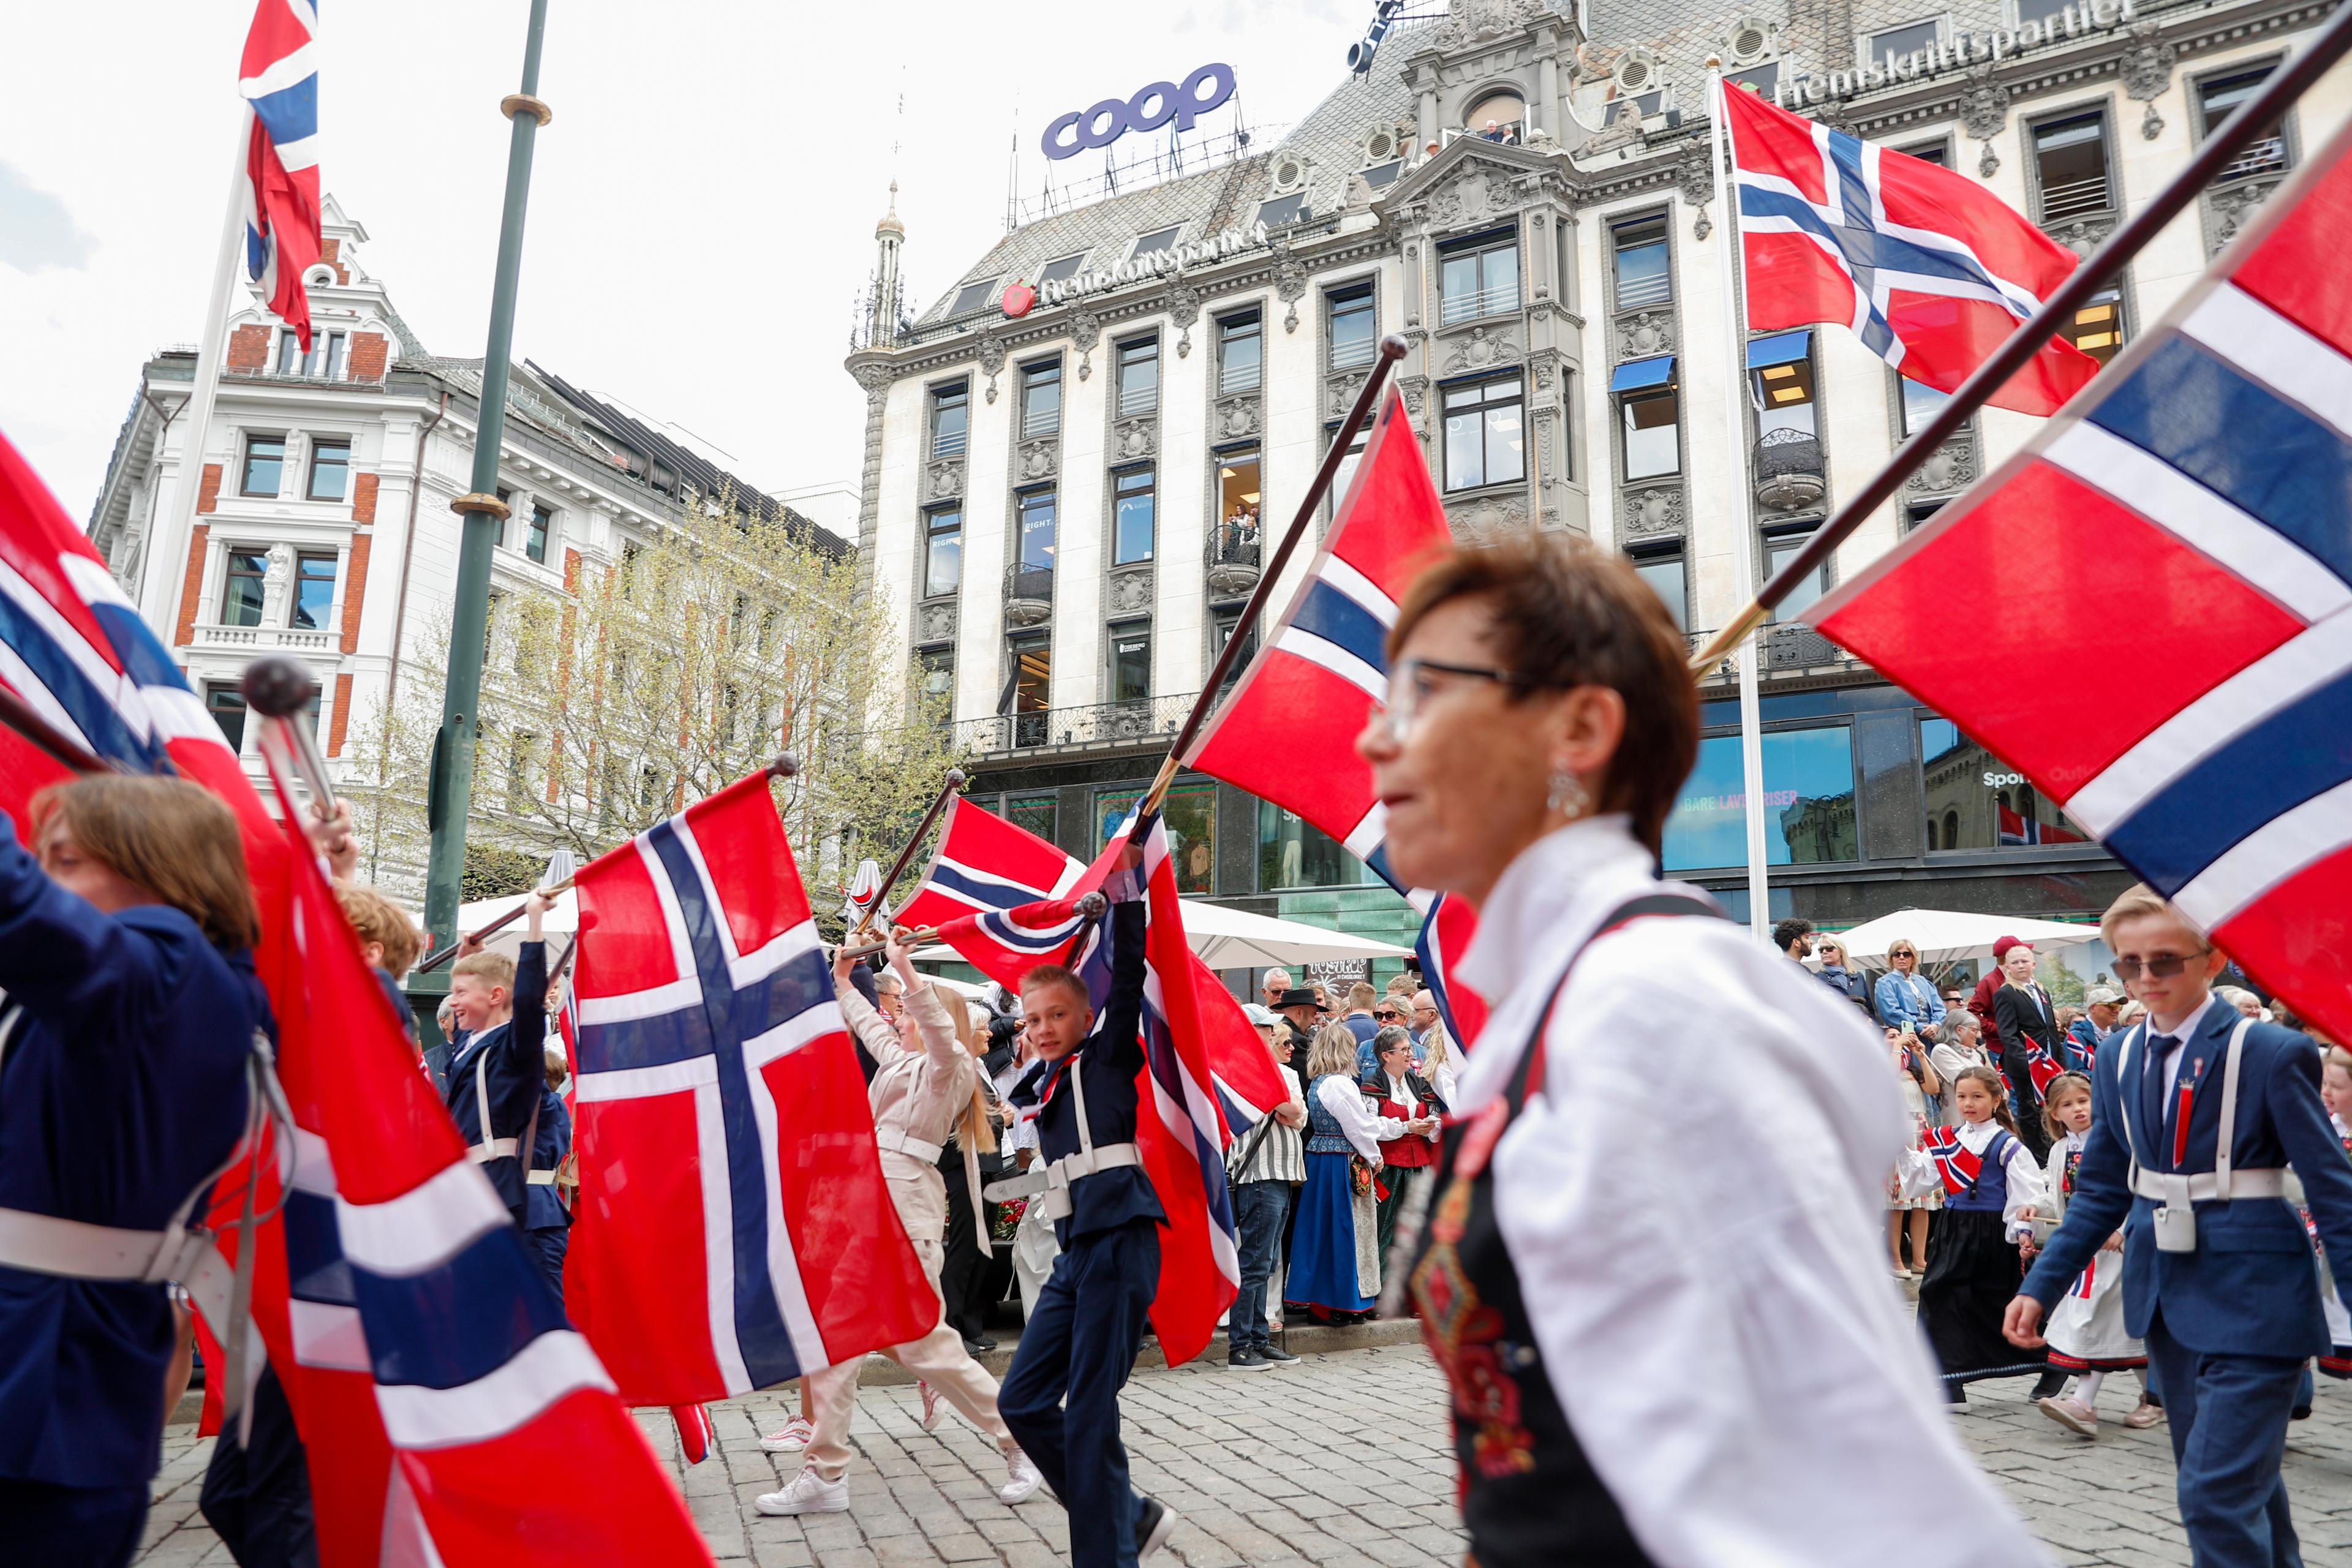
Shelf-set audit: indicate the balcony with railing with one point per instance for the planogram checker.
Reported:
(1790, 648)
(1789, 471)
(1235, 550)
(1497, 300)
(1348, 354)
(1099, 727)
(2071, 199)
(1028, 594)
(2267, 156)
(263, 640)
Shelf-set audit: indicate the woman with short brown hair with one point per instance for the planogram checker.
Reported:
(1652, 1251)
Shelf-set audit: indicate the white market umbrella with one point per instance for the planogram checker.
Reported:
(1949, 936)
(1228, 938)
(561, 923)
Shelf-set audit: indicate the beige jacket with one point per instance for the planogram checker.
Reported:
(917, 1096)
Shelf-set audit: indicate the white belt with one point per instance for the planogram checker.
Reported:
(539, 1179)
(1070, 1169)
(2204, 1187)
(495, 1149)
(45, 1244)
(906, 1144)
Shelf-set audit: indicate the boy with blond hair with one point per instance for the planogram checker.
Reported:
(496, 1079)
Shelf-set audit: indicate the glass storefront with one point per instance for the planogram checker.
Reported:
(1190, 812)
(1035, 813)
(1808, 802)
(1293, 853)
(1976, 800)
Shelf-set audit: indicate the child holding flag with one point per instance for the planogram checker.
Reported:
(1991, 1189)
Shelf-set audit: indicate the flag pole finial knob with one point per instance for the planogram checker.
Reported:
(277, 687)
(1092, 906)
(1394, 347)
(785, 766)
(956, 777)
(1714, 62)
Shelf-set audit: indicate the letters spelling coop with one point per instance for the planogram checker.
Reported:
(1152, 107)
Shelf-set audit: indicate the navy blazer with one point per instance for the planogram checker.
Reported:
(121, 1090)
(514, 1056)
(2019, 1017)
(544, 1209)
(2250, 1288)
(1113, 1055)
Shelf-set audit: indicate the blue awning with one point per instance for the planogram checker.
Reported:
(1640, 373)
(1784, 348)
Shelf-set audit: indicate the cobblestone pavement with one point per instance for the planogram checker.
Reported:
(1340, 1462)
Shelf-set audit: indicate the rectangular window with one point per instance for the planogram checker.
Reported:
(1158, 240)
(1380, 176)
(226, 703)
(2217, 96)
(1483, 281)
(2070, 162)
(1221, 633)
(1130, 663)
(1037, 508)
(1762, 80)
(1652, 438)
(328, 356)
(1283, 211)
(1063, 269)
(1937, 153)
(2097, 327)
(331, 470)
(935, 669)
(265, 465)
(1783, 391)
(1484, 436)
(1240, 367)
(972, 296)
(1779, 549)
(289, 354)
(951, 411)
(1131, 516)
(1644, 276)
(1292, 852)
(2039, 10)
(1894, 43)
(241, 593)
(1920, 403)
(1041, 398)
(1350, 318)
(1189, 811)
(1139, 376)
(1662, 570)
(1916, 514)
(542, 526)
(1236, 541)
(314, 592)
(339, 356)
(1036, 813)
(1809, 807)
(1976, 800)
(1033, 689)
(942, 552)
(522, 765)
(1345, 475)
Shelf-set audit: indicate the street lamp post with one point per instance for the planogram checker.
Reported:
(452, 781)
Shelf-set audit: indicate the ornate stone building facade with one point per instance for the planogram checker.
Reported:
(1067, 505)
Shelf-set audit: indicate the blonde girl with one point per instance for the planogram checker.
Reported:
(2086, 1332)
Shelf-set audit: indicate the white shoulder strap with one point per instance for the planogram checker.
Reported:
(1078, 1097)
(2229, 1107)
(2122, 1058)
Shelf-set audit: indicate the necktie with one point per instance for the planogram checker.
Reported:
(2151, 1097)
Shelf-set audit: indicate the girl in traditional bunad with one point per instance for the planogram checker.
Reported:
(1991, 1190)
(2086, 1332)
(1334, 1265)
(2336, 1092)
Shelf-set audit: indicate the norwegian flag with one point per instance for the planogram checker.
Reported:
(1321, 668)
(1930, 269)
(1954, 1163)
(279, 77)
(733, 1230)
(985, 866)
(422, 1357)
(2200, 484)
(2017, 828)
(1178, 1129)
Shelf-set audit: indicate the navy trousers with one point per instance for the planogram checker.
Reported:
(70, 1527)
(1060, 1400)
(548, 1245)
(257, 1498)
(1259, 1209)
(2228, 1415)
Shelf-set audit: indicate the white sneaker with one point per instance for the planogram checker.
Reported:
(1023, 1480)
(792, 1438)
(807, 1492)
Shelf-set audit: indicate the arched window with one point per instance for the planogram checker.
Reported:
(1500, 116)
(1951, 830)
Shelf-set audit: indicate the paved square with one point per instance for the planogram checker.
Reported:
(1342, 1461)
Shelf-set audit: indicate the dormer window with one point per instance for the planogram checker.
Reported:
(972, 297)
(1063, 269)
(1283, 211)
(1159, 241)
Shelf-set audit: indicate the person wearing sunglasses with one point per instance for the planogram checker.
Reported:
(2199, 1114)
(1649, 1076)
(1903, 998)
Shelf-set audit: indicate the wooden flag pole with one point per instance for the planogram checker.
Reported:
(18, 715)
(955, 781)
(2255, 116)
(1391, 349)
(1088, 904)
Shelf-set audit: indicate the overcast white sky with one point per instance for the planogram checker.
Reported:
(702, 208)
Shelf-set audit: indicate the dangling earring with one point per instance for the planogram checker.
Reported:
(1569, 795)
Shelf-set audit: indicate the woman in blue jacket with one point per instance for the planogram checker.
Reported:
(130, 1008)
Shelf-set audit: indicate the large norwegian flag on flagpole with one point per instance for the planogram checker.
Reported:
(1930, 269)
(1321, 666)
(424, 1358)
(733, 1229)
(1179, 1128)
(2198, 731)
(279, 77)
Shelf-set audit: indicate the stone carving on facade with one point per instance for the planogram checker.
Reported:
(1988, 163)
(1235, 417)
(2146, 64)
(1086, 331)
(1472, 196)
(1132, 438)
(1655, 511)
(1623, 129)
(935, 622)
(1022, 614)
(2227, 210)
(1699, 189)
(2151, 124)
(1289, 284)
(277, 579)
(1545, 365)
(1984, 111)
(876, 378)
(1949, 467)
(944, 477)
(1480, 521)
(1641, 336)
(1339, 392)
(1183, 309)
(1131, 590)
(1414, 388)
(1483, 349)
(992, 362)
(2085, 234)
(1037, 460)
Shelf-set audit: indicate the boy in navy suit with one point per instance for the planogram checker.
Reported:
(1080, 1343)
(498, 1072)
(2199, 1113)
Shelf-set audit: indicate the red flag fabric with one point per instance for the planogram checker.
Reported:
(1930, 269)
(279, 77)
(2197, 484)
(733, 1230)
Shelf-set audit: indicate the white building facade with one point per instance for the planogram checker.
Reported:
(1066, 507)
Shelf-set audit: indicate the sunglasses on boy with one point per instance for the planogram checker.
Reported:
(2163, 967)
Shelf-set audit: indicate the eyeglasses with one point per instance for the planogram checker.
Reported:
(2163, 967)
(1390, 1015)
(1409, 687)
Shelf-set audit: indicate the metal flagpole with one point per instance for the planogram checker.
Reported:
(166, 555)
(1751, 734)
(451, 787)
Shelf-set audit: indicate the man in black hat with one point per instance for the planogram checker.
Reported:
(1300, 1018)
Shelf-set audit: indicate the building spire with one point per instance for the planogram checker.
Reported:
(882, 303)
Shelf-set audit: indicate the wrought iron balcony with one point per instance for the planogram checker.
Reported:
(1101, 727)
(1028, 596)
(1789, 647)
(1788, 475)
(1234, 554)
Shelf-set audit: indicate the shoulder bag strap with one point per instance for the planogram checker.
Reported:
(2229, 1110)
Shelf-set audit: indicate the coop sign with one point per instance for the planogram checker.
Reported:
(1152, 107)
(2080, 20)
(1151, 264)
